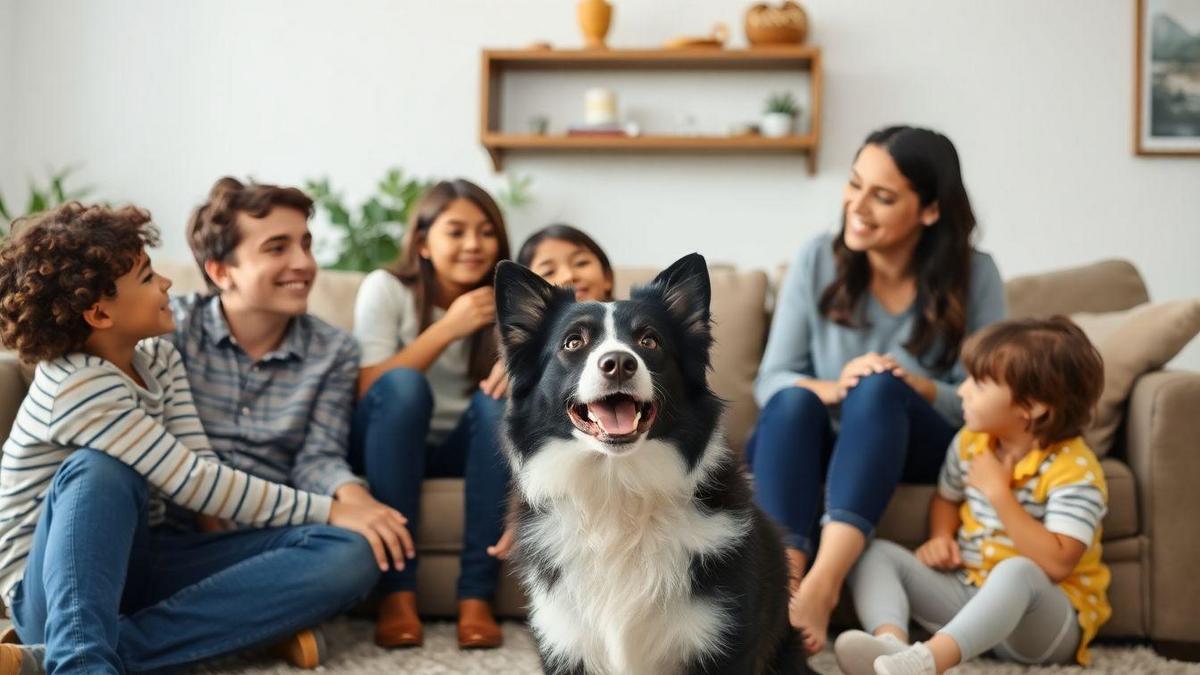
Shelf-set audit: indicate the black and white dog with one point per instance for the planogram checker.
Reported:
(637, 541)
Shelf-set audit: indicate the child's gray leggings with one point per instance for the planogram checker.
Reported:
(1018, 613)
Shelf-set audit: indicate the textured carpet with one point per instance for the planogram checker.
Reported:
(353, 652)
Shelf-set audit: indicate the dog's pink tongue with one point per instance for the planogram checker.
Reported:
(618, 419)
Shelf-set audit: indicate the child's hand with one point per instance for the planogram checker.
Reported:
(503, 547)
(382, 526)
(213, 524)
(496, 384)
(471, 311)
(989, 475)
(940, 553)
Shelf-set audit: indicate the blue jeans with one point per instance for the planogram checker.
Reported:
(391, 424)
(106, 593)
(888, 434)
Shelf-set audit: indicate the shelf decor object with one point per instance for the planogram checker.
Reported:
(802, 60)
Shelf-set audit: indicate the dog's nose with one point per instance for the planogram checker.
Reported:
(618, 366)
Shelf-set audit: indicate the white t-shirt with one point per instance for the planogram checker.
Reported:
(385, 320)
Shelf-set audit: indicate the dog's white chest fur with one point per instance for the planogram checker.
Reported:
(622, 532)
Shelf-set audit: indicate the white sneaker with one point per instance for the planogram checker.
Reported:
(857, 650)
(916, 660)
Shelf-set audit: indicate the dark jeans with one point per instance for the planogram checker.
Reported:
(888, 434)
(389, 446)
(108, 594)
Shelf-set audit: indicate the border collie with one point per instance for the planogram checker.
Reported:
(637, 541)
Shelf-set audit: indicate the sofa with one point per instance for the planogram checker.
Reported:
(1151, 540)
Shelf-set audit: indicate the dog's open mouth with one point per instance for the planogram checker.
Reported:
(617, 418)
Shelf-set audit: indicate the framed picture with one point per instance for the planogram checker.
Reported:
(1167, 111)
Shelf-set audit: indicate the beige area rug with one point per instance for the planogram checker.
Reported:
(352, 652)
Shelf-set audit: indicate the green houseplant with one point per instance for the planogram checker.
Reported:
(42, 198)
(779, 117)
(369, 237)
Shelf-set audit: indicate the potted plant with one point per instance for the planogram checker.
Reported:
(370, 236)
(779, 118)
(41, 198)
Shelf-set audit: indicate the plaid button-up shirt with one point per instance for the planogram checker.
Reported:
(285, 417)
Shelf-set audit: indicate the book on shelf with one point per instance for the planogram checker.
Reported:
(607, 129)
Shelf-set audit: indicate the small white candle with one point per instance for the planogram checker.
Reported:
(600, 106)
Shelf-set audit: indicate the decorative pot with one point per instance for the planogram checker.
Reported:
(777, 124)
(595, 16)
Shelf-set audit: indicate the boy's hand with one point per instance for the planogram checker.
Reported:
(989, 475)
(213, 524)
(940, 553)
(382, 526)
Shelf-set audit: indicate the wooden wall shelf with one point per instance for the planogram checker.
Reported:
(497, 62)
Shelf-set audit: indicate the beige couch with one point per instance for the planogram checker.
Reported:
(1151, 537)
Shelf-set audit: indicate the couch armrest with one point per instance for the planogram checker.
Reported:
(1163, 447)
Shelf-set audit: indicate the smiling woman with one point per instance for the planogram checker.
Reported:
(860, 371)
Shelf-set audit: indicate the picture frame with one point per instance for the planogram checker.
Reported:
(1167, 76)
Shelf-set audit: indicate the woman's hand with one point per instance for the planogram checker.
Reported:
(496, 384)
(470, 312)
(382, 526)
(864, 366)
(829, 392)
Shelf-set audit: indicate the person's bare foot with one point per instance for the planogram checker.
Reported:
(809, 610)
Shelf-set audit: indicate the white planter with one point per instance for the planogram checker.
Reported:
(775, 125)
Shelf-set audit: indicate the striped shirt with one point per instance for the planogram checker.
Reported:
(82, 401)
(1063, 487)
(285, 417)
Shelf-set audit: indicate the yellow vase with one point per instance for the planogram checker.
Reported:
(595, 16)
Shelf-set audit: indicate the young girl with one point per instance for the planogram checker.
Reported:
(857, 381)
(565, 256)
(430, 390)
(1013, 559)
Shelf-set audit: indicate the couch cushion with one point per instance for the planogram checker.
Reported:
(740, 332)
(1106, 286)
(1133, 342)
(906, 518)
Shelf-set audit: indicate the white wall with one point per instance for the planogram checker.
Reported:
(157, 99)
(8, 65)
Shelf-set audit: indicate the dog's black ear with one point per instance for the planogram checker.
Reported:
(685, 289)
(524, 301)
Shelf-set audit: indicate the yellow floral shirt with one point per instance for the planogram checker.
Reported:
(1063, 487)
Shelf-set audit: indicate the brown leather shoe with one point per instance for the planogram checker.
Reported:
(398, 624)
(477, 628)
(305, 649)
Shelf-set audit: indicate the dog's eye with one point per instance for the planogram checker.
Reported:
(572, 343)
(648, 342)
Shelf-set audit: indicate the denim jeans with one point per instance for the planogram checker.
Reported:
(389, 446)
(887, 434)
(106, 593)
